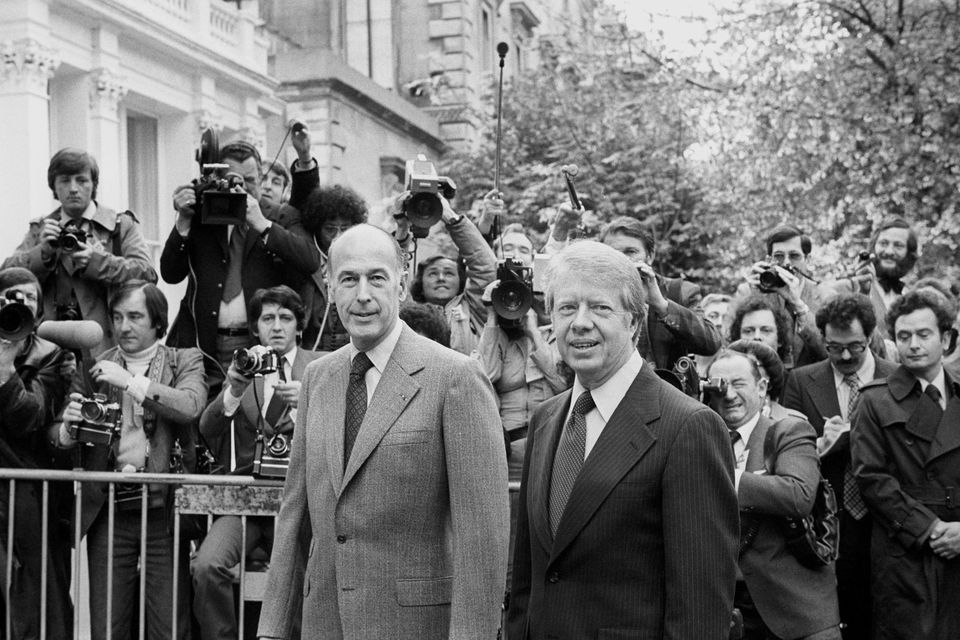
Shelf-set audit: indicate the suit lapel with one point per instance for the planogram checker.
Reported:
(823, 391)
(394, 392)
(549, 425)
(905, 389)
(756, 445)
(330, 390)
(624, 440)
(248, 401)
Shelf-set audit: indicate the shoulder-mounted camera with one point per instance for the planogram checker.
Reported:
(101, 421)
(513, 297)
(16, 318)
(217, 203)
(423, 208)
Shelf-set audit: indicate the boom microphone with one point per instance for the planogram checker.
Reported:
(74, 335)
(570, 169)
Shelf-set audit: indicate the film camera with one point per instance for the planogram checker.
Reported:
(271, 457)
(256, 359)
(513, 297)
(714, 386)
(770, 279)
(423, 209)
(101, 421)
(684, 377)
(71, 237)
(16, 318)
(217, 202)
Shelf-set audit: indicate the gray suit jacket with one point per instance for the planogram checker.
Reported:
(410, 540)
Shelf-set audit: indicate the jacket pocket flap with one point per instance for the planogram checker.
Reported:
(413, 592)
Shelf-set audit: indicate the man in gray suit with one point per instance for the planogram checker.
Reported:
(396, 495)
(628, 515)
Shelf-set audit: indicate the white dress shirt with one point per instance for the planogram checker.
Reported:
(940, 383)
(865, 374)
(606, 397)
(379, 355)
(740, 451)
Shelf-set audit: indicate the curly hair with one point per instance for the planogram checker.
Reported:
(329, 203)
(427, 320)
(915, 301)
(840, 311)
(757, 302)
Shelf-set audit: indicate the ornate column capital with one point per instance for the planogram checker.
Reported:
(107, 89)
(27, 64)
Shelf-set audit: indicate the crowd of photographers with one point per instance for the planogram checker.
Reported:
(92, 377)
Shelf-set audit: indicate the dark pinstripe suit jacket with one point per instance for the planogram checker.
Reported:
(647, 544)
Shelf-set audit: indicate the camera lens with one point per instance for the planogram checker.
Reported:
(69, 242)
(770, 279)
(246, 361)
(278, 445)
(92, 411)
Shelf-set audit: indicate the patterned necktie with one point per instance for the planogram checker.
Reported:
(232, 286)
(569, 458)
(852, 500)
(735, 437)
(356, 403)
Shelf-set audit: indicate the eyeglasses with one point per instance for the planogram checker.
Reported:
(855, 348)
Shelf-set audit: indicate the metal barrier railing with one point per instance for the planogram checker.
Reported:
(79, 480)
(182, 506)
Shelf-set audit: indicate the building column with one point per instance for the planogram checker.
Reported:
(106, 90)
(26, 66)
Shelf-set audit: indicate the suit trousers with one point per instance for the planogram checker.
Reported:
(754, 627)
(212, 578)
(853, 576)
(127, 564)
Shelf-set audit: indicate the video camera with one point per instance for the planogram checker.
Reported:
(16, 318)
(256, 359)
(684, 377)
(423, 209)
(271, 458)
(101, 421)
(513, 297)
(70, 238)
(217, 203)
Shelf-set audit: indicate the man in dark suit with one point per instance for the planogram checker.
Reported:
(395, 503)
(225, 264)
(675, 323)
(250, 406)
(825, 392)
(905, 444)
(776, 477)
(628, 517)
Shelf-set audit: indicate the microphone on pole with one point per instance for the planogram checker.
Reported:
(502, 49)
(74, 335)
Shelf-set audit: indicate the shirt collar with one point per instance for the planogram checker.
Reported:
(290, 356)
(865, 373)
(940, 382)
(88, 213)
(609, 395)
(746, 429)
(381, 352)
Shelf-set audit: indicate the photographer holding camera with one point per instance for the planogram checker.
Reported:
(455, 283)
(34, 377)
(776, 477)
(254, 405)
(83, 249)
(783, 278)
(226, 263)
(148, 397)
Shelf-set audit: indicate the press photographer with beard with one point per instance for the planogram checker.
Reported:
(34, 377)
(247, 405)
(894, 253)
(105, 249)
(159, 392)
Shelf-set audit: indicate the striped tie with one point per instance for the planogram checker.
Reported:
(569, 458)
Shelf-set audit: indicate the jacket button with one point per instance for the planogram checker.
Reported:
(554, 577)
(341, 538)
(219, 285)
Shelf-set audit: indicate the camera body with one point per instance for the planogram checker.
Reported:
(423, 209)
(271, 458)
(513, 297)
(70, 238)
(770, 280)
(256, 359)
(101, 421)
(714, 386)
(16, 318)
(217, 203)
